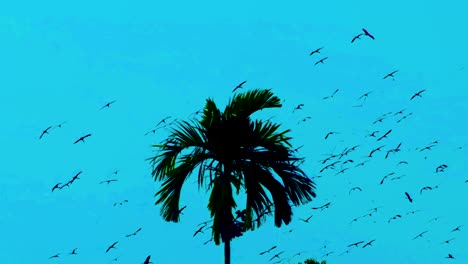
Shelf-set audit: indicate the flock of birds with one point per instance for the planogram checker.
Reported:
(337, 163)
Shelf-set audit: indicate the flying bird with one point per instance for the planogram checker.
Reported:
(315, 51)
(56, 186)
(46, 131)
(330, 133)
(394, 218)
(321, 61)
(54, 256)
(368, 34)
(112, 246)
(456, 229)
(356, 244)
(82, 138)
(107, 105)
(162, 121)
(384, 136)
(390, 75)
(108, 181)
(267, 251)
(147, 260)
(276, 255)
(239, 86)
(368, 243)
(134, 233)
(450, 256)
(199, 230)
(73, 252)
(420, 235)
(417, 94)
(354, 188)
(306, 220)
(356, 37)
(409, 197)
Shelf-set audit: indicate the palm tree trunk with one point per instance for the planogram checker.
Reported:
(227, 252)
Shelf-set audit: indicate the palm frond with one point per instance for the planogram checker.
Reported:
(245, 104)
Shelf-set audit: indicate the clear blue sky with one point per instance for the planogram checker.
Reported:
(62, 62)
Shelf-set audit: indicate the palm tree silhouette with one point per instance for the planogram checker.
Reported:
(242, 153)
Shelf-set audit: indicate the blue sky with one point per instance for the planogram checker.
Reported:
(62, 62)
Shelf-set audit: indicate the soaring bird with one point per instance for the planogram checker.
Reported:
(54, 256)
(82, 138)
(73, 252)
(450, 256)
(147, 260)
(307, 219)
(417, 94)
(108, 181)
(111, 246)
(330, 133)
(199, 231)
(107, 105)
(163, 121)
(368, 34)
(267, 251)
(456, 229)
(134, 233)
(315, 51)
(239, 86)
(46, 131)
(385, 135)
(390, 75)
(276, 255)
(298, 107)
(354, 188)
(56, 186)
(355, 244)
(394, 218)
(409, 197)
(420, 235)
(368, 243)
(365, 95)
(321, 61)
(356, 37)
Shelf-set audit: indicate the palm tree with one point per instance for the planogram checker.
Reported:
(236, 153)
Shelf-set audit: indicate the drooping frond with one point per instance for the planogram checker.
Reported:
(169, 194)
(245, 104)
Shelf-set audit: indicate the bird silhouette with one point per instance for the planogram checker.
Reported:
(394, 217)
(385, 135)
(56, 186)
(330, 133)
(409, 197)
(298, 107)
(112, 246)
(267, 251)
(447, 241)
(420, 235)
(163, 121)
(55, 256)
(417, 94)
(355, 244)
(239, 86)
(390, 75)
(107, 105)
(82, 138)
(46, 131)
(368, 34)
(354, 188)
(450, 256)
(277, 255)
(365, 95)
(147, 260)
(134, 233)
(315, 51)
(73, 252)
(456, 229)
(331, 96)
(356, 37)
(321, 60)
(306, 220)
(108, 181)
(199, 231)
(368, 243)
